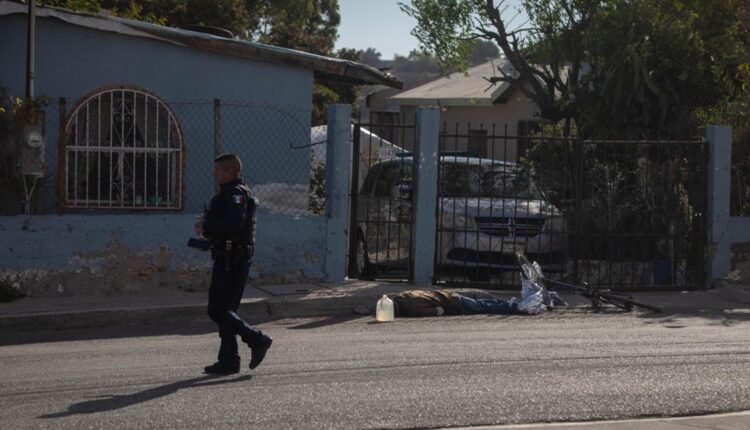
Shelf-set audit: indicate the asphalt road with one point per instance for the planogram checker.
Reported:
(352, 373)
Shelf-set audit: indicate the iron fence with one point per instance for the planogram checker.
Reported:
(381, 201)
(627, 214)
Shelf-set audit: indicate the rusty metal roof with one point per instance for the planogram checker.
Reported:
(323, 67)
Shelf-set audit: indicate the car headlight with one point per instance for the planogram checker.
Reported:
(457, 221)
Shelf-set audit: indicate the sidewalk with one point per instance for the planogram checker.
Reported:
(284, 301)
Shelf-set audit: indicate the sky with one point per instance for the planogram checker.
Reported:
(382, 25)
(379, 24)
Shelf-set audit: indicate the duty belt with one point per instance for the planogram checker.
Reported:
(230, 246)
(233, 249)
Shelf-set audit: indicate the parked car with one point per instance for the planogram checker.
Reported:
(488, 210)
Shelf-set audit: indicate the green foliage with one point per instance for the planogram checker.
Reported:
(316, 188)
(370, 56)
(734, 110)
(634, 67)
(91, 6)
(444, 28)
(307, 25)
(322, 97)
(229, 14)
(623, 188)
(651, 70)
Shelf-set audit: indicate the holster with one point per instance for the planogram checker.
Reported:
(232, 252)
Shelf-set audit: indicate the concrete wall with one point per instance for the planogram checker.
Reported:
(739, 248)
(729, 237)
(89, 251)
(79, 254)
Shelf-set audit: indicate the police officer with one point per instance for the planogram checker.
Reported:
(229, 223)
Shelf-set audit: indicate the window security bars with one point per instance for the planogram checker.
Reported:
(123, 150)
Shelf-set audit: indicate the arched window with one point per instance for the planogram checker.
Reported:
(123, 150)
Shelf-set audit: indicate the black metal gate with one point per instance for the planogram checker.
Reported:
(626, 214)
(381, 201)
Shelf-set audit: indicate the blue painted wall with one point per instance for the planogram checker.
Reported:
(72, 61)
(76, 238)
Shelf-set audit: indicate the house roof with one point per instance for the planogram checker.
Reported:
(459, 89)
(323, 67)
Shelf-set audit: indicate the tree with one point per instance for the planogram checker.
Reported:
(308, 25)
(370, 56)
(734, 110)
(618, 65)
(482, 51)
(653, 64)
(449, 27)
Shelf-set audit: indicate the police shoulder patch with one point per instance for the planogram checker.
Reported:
(239, 199)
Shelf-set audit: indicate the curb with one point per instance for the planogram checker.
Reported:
(333, 303)
(256, 311)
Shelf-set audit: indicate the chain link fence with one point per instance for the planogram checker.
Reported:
(126, 150)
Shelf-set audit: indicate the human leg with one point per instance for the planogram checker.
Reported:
(219, 303)
(488, 306)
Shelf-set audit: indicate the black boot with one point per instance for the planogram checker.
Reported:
(222, 368)
(258, 353)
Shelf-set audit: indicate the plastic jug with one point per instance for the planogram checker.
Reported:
(384, 309)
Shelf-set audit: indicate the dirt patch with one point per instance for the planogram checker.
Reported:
(117, 269)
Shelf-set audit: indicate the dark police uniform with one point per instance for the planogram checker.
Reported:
(230, 226)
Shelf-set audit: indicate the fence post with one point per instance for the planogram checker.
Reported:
(338, 169)
(354, 202)
(426, 193)
(719, 188)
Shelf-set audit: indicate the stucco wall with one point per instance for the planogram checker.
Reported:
(72, 61)
(89, 251)
(51, 255)
(516, 107)
(739, 231)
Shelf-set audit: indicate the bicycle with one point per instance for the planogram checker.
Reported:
(598, 297)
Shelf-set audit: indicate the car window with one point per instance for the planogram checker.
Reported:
(372, 175)
(390, 174)
(497, 181)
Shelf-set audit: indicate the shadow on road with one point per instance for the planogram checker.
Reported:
(66, 335)
(326, 321)
(124, 400)
(676, 318)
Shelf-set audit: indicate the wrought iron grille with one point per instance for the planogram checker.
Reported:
(382, 201)
(626, 214)
(123, 150)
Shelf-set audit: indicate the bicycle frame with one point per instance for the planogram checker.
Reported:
(595, 295)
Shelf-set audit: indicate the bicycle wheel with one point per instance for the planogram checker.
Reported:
(627, 303)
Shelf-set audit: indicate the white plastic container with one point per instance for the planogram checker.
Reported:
(384, 309)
